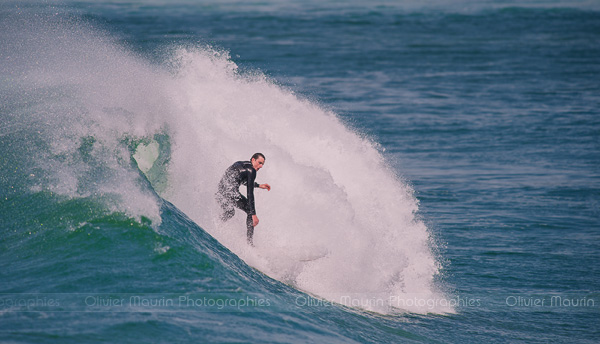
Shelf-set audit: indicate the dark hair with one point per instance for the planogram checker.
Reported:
(258, 155)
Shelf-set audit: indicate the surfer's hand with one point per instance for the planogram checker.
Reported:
(254, 220)
(265, 186)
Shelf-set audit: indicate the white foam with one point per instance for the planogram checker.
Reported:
(337, 222)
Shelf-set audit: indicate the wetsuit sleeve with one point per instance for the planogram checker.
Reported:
(250, 183)
(256, 185)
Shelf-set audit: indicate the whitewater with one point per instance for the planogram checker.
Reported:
(102, 122)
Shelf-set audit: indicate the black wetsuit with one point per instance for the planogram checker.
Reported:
(241, 172)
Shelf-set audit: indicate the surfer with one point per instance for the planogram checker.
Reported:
(229, 196)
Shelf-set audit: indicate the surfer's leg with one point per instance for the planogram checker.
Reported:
(227, 207)
(243, 204)
(227, 214)
(250, 230)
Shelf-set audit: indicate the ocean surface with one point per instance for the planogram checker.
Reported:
(435, 171)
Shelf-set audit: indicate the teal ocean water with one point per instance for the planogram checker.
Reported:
(435, 171)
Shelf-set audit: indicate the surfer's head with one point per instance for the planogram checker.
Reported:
(257, 160)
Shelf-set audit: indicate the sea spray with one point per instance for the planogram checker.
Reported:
(337, 223)
(78, 98)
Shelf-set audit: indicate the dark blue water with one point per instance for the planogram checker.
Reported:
(490, 112)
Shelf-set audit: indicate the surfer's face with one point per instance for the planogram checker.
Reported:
(258, 163)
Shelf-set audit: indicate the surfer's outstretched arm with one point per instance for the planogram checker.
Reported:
(254, 217)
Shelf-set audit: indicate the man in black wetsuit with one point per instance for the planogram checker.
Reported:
(229, 196)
